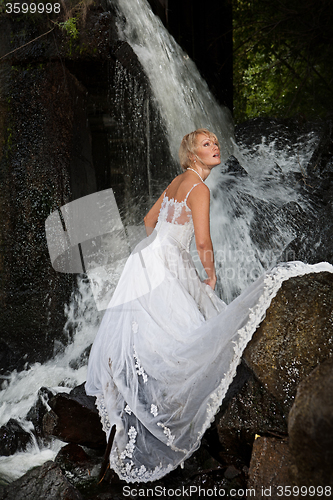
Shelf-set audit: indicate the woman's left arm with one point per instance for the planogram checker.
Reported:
(198, 202)
(150, 219)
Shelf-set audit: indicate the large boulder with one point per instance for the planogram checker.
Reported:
(250, 411)
(295, 336)
(73, 418)
(41, 483)
(269, 468)
(311, 429)
(13, 438)
(62, 137)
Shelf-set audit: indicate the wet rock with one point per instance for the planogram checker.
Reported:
(295, 336)
(80, 468)
(269, 468)
(316, 243)
(42, 483)
(13, 438)
(73, 418)
(37, 412)
(311, 428)
(234, 167)
(291, 134)
(67, 143)
(231, 472)
(249, 412)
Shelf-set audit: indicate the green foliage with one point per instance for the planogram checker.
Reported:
(70, 26)
(283, 54)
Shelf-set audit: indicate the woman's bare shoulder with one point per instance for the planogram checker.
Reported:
(199, 189)
(199, 195)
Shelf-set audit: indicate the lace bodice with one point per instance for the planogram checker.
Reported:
(175, 220)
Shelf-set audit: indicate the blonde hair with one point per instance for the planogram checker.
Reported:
(188, 146)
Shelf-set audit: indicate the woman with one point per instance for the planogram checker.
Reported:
(199, 153)
(168, 347)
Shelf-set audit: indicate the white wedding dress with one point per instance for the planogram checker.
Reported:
(168, 348)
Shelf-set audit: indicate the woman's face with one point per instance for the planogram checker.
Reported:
(208, 150)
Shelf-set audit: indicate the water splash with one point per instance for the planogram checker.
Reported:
(255, 216)
(66, 370)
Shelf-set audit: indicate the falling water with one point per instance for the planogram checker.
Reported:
(238, 204)
(249, 229)
(183, 97)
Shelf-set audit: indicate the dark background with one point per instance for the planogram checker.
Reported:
(204, 31)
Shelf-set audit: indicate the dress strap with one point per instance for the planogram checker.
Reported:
(190, 192)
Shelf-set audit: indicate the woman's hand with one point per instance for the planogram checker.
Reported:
(211, 282)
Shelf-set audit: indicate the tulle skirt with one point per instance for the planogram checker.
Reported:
(165, 354)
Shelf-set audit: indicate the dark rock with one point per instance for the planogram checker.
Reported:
(82, 360)
(42, 483)
(231, 472)
(295, 336)
(249, 412)
(271, 226)
(73, 454)
(316, 243)
(291, 215)
(311, 428)
(318, 176)
(13, 438)
(269, 468)
(78, 394)
(124, 53)
(284, 134)
(73, 418)
(10, 360)
(82, 469)
(234, 167)
(37, 412)
(33, 183)
(69, 142)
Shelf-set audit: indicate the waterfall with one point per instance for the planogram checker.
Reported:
(249, 228)
(185, 104)
(183, 97)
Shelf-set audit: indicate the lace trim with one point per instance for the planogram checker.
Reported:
(122, 463)
(170, 437)
(168, 434)
(138, 367)
(178, 207)
(154, 410)
(272, 284)
(129, 448)
(127, 472)
(128, 410)
(103, 413)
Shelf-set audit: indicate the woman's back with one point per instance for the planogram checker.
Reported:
(179, 188)
(174, 208)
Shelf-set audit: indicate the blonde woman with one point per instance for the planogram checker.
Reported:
(168, 347)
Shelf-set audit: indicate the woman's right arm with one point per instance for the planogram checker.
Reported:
(199, 203)
(150, 219)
